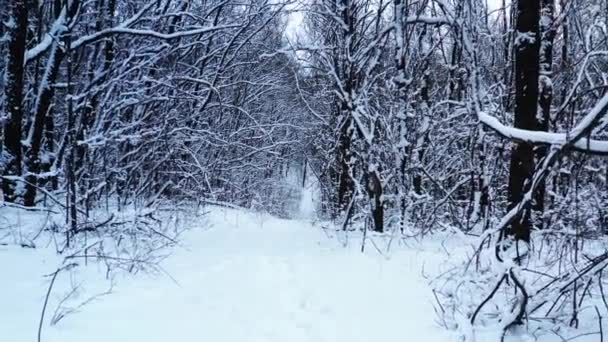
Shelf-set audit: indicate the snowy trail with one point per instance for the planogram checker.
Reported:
(254, 278)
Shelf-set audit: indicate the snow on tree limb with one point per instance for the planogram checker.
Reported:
(575, 138)
(420, 19)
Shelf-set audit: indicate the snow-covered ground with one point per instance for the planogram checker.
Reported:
(237, 277)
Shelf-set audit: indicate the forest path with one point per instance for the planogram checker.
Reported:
(255, 278)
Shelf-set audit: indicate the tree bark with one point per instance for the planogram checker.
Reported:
(527, 43)
(375, 193)
(14, 96)
(547, 34)
(345, 183)
(42, 108)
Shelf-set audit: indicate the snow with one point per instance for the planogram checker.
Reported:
(573, 137)
(57, 28)
(238, 276)
(428, 20)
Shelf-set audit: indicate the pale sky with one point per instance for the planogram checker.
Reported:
(295, 18)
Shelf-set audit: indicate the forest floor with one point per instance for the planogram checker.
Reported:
(237, 277)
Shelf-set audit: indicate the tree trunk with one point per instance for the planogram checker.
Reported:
(526, 100)
(346, 186)
(41, 110)
(42, 107)
(547, 34)
(14, 96)
(377, 205)
(345, 183)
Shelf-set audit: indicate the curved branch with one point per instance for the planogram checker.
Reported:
(574, 138)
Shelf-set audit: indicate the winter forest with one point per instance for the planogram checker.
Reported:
(303, 170)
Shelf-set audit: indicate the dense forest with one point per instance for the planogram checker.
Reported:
(412, 117)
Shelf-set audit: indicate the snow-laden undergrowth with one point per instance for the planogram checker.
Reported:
(236, 276)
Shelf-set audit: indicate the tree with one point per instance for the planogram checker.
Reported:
(527, 47)
(353, 37)
(14, 78)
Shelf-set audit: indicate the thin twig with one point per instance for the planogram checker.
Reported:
(485, 301)
(599, 320)
(48, 294)
(46, 300)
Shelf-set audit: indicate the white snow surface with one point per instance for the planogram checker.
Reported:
(237, 277)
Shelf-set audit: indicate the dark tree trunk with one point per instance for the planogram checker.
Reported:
(41, 111)
(547, 34)
(89, 114)
(421, 134)
(526, 100)
(49, 129)
(375, 194)
(345, 183)
(14, 96)
(505, 33)
(49, 138)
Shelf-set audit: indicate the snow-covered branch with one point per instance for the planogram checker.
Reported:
(577, 138)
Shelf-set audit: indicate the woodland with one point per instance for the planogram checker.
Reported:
(414, 118)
